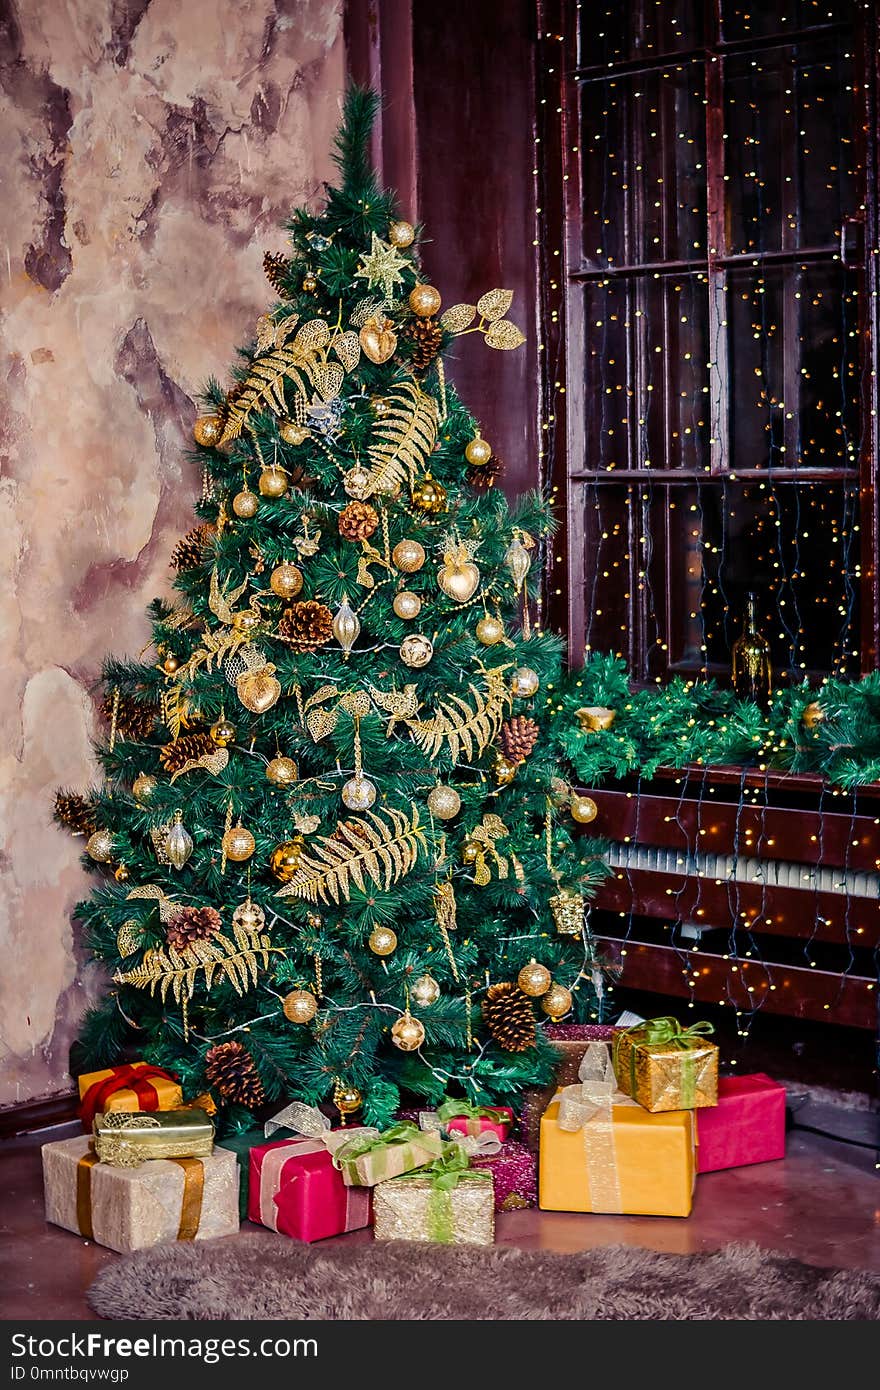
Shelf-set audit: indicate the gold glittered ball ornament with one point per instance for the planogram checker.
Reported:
(490, 631)
(557, 1001)
(284, 859)
(223, 732)
(401, 234)
(249, 916)
(425, 990)
(245, 504)
(534, 979)
(429, 496)
(408, 556)
(171, 664)
(444, 802)
(382, 941)
(281, 771)
(424, 301)
(347, 1098)
(143, 786)
(406, 604)
(583, 809)
(208, 431)
(291, 432)
(300, 1006)
(416, 650)
(478, 451)
(408, 1033)
(310, 283)
(238, 843)
(286, 580)
(502, 770)
(358, 794)
(273, 482)
(524, 683)
(813, 715)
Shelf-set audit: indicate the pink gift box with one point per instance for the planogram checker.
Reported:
(515, 1174)
(465, 1124)
(746, 1126)
(294, 1189)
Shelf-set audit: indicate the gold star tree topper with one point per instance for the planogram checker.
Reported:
(382, 267)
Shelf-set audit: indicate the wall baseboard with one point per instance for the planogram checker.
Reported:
(33, 1115)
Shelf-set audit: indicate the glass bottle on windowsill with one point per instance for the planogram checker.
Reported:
(750, 659)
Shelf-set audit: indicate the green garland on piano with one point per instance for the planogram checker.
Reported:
(832, 729)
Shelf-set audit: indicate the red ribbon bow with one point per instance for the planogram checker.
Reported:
(132, 1076)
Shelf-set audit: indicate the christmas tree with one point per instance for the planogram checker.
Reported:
(337, 859)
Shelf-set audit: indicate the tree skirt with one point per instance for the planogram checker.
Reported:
(250, 1277)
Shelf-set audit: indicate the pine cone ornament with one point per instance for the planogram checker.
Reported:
(306, 625)
(426, 336)
(189, 551)
(230, 1068)
(134, 721)
(189, 746)
(358, 521)
(276, 269)
(192, 924)
(75, 813)
(508, 1015)
(518, 737)
(486, 476)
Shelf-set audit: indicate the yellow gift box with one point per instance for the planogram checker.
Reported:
(134, 1086)
(610, 1155)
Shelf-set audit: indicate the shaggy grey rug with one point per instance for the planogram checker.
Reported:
(250, 1277)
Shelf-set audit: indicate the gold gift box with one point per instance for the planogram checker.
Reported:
(412, 1208)
(127, 1138)
(662, 1076)
(640, 1164)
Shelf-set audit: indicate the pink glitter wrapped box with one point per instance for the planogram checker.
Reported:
(515, 1172)
(746, 1126)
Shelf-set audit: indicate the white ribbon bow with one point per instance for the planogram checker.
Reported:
(313, 1123)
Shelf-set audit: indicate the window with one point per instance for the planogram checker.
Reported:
(707, 182)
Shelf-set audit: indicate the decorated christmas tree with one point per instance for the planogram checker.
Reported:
(337, 859)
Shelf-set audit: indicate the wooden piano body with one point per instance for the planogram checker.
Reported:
(760, 891)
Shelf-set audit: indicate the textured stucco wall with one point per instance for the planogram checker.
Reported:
(148, 150)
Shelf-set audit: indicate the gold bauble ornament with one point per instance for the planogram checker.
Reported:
(503, 771)
(358, 794)
(357, 483)
(143, 786)
(583, 809)
(258, 690)
(377, 339)
(284, 859)
(429, 496)
(286, 580)
(282, 771)
(416, 650)
(238, 844)
(222, 733)
(408, 1033)
(208, 431)
(178, 844)
(310, 283)
(567, 907)
(425, 990)
(524, 683)
(458, 576)
(593, 718)
(291, 432)
(424, 301)
(382, 941)
(122, 875)
(534, 979)
(171, 664)
(490, 631)
(245, 504)
(406, 604)
(99, 846)
(249, 916)
(300, 1006)
(347, 1098)
(444, 802)
(273, 482)
(346, 625)
(557, 1001)
(401, 234)
(245, 621)
(813, 714)
(478, 451)
(408, 556)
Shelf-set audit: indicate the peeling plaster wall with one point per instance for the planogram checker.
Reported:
(148, 151)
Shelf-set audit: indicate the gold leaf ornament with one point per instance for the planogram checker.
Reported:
(403, 439)
(211, 762)
(381, 847)
(348, 349)
(494, 304)
(466, 728)
(504, 335)
(459, 317)
(130, 938)
(236, 962)
(301, 365)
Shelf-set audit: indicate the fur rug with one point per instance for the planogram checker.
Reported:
(249, 1277)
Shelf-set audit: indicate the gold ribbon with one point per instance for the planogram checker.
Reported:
(190, 1207)
(588, 1107)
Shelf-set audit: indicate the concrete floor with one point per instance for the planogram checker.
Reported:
(822, 1205)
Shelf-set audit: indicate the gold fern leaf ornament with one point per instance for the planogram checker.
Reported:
(466, 728)
(285, 364)
(403, 439)
(236, 962)
(381, 848)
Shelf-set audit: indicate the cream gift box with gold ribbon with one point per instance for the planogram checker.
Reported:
(602, 1152)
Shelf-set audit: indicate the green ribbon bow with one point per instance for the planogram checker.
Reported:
(665, 1032)
(452, 1109)
(401, 1133)
(444, 1175)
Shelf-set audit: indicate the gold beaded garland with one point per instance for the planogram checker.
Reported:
(382, 941)
(245, 504)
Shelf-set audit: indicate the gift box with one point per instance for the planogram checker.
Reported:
(514, 1172)
(570, 1042)
(418, 1207)
(746, 1126)
(461, 1117)
(126, 1139)
(366, 1159)
(241, 1145)
(295, 1189)
(602, 1152)
(666, 1067)
(134, 1086)
(131, 1208)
